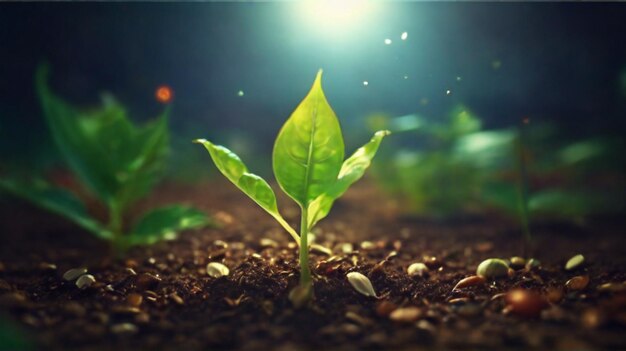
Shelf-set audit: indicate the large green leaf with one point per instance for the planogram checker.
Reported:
(352, 170)
(56, 200)
(309, 149)
(251, 184)
(165, 223)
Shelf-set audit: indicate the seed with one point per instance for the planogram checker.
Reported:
(265, 242)
(406, 314)
(517, 262)
(554, 294)
(134, 299)
(361, 284)
(124, 328)
(347, 248)
(130, 271)
(85, 281)
(592, 318)
(418, 269)
(492, 268)
(301, 295)
(577, 283)
(367, 245)
(532, 263)
(574, 262)
(525, 303)
(216, 270)
(469, 281)
(74, 273)
(385, 308)
(320, 249)
(147, 281)
(177, 299)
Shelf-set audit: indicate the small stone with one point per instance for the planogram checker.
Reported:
(74, 273)
(417, 269)
(532, 263)
(85, 281)
(577, 283)
(177, 299)
(574, 262)
(525, 303)
(469, 281)
(265, 242)
(517, 262)
(406, 314)
(492, 268)
(217, 270)
(134, 299)
(361, 283)
(124, 328)
(147, 281)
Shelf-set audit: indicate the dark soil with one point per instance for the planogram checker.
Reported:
(160, 297)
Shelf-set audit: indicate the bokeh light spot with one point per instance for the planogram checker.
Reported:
(164, 94)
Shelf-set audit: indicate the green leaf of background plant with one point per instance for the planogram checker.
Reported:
(352, 170)
(309, 149)
(56, 200)
(164, 224)
(251, 184)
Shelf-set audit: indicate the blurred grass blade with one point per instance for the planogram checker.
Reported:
(165, 223)
(352, 170)
(251, 184)
(56, 200)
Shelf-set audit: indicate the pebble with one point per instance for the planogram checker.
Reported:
(492, 268)
(574, 262)
(361, 283)
(147, 281)
(217, 270)
(525, 303)
(124, 328)
(417, 269)
(577, 283)
(406, 314)
(74, 273)
(85, 281)
(469, 281)
(134, 299)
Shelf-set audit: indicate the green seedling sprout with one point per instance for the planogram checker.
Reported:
(116, 162)
(522, 186)
(308, 162)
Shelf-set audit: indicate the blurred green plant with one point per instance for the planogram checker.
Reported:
(115, 161)
(308, 162)
(12, 337)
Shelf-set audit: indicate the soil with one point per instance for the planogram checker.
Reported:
(160, 297)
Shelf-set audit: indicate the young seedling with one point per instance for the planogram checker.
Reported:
(116, 161)
(308, 162)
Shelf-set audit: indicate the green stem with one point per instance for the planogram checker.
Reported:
(523, 189)
(305, 272)
(115, 225)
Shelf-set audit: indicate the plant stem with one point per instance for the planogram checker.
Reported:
(523, 189)
(115, 225)
(305, 272)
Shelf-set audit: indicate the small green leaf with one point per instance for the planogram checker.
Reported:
(352, 170)
(309, 149)
(164, 224)
(56, 200)
(251, 184)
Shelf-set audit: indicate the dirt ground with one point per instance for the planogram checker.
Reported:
(160, 297)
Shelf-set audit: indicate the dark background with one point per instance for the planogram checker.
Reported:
(564, 63)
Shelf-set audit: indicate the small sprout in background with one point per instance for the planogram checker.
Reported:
(417, 269)
(74, 273)
(361, 283)
(217, 270)
(309, 167)
(492, 268)
(574, 262)
(85, 281)
(116, 162)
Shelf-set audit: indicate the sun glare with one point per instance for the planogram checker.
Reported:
(335, 16)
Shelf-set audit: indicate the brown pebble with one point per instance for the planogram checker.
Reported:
(577, 283)
(406, 314)
(525, 303)
(146, 281)
(469, 281)
(384, 308)
(134, 299)
(554, 294)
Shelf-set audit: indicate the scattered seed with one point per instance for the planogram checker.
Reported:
(147, 281)
(532, 263)
(301, 295)
(517, 262)
(320, 249)
(417, 269)
(574, 262)
(469, 281)
(361, 283)
(613, 287)
(406, 314)
(265, 242)
(134, 299)
(85, 281)
(492, 268)
(217, 270)
(577, 283)
(109, 288)
(367, 245)
(45, 266)
(177, 299)
(358, 319)
(384, 308)
(124, 328)
(347, 248)
(525, 303)
(554, 294)
(74, 273)
(130, 271)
